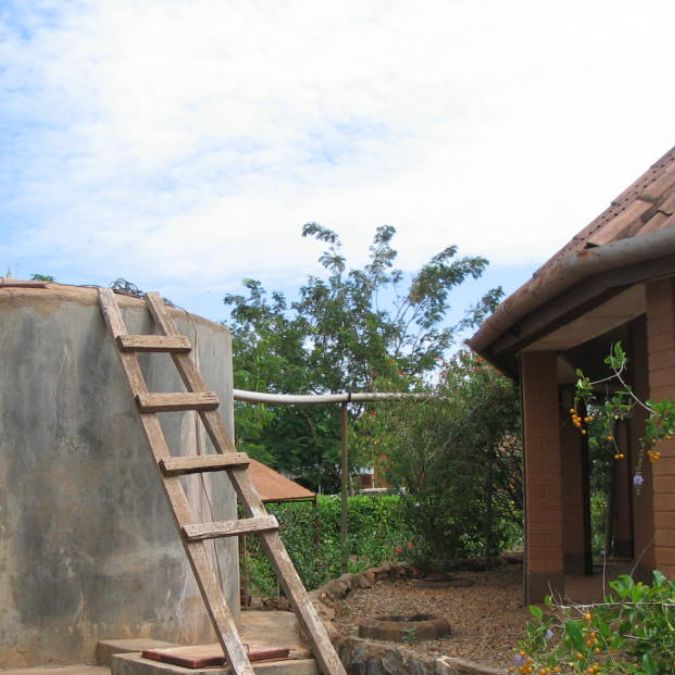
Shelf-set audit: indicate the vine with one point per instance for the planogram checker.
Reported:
(596, 414)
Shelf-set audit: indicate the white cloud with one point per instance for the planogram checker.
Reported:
(190, 140)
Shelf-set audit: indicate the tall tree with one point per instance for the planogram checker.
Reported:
(344, 332)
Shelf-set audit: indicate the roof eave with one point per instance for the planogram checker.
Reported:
(569, 271)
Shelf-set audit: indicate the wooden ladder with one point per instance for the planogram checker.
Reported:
(193, 533)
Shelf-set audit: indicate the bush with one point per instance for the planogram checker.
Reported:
(377, 533)
(632, 631)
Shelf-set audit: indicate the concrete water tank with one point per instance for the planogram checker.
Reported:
(88, 549)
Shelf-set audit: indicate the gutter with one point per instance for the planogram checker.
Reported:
(569, 271)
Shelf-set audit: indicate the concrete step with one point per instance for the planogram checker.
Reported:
(77, 669)
(257, 629)
(106, 649)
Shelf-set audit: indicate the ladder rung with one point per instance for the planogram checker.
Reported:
(199, 400)
(230, 528)
(177, 466)
(178, 344)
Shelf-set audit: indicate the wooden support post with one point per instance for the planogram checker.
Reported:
(244, 593)
(344, 488)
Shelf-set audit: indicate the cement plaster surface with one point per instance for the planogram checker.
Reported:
(88, 549)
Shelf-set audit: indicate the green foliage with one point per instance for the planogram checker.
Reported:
(601, 405)
(458, 456)
(376, 532)
(410, 635)
(598, 521)
(47, 278)
(346, 330)
(632, 631)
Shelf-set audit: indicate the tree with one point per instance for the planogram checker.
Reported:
(459, 458)
(344, 332)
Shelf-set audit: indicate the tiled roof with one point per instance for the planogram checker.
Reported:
(633, 234)
(273, 487)
(648, 205)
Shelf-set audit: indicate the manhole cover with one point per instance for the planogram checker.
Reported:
(405, 628)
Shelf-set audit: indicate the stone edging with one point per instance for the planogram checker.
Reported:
(367, 657)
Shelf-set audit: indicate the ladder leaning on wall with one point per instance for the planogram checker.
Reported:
(194, 534)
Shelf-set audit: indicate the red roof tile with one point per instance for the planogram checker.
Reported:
(273, 486)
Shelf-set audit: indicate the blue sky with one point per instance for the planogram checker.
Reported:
(182, 144)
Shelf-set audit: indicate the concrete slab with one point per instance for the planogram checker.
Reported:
(132, 664)
(106, 649)
(259, 630)
(77, 669)
(273, 629)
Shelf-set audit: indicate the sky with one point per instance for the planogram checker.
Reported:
(182, 144)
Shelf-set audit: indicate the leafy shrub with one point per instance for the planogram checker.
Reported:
(377, 532)
(632, 631)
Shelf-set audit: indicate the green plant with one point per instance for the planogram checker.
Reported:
(458, 456)
(347, 329)
(377, 530)
(600, 405)
(410, 636)
(631, 631)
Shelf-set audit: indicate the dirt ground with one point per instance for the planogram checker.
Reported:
(486, 618)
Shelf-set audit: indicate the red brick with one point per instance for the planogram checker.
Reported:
(536, 528)
(662, 359)
(545, 565)
(661, 342)
(545, 541)
(661, 378)
(665, 538)
(659, 290)
(664, 502)
(664, 555)
(664, 519)
(664, 485)
(536, 467)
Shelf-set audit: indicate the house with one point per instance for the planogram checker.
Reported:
(614, 281)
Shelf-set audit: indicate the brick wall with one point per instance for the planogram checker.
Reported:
(661, 361)
(543, 476)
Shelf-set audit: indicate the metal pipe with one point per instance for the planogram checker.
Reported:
(570, 270)
(316, 399)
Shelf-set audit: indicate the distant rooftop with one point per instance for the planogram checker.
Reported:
(275, 487)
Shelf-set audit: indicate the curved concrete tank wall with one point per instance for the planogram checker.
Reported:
(88, 549)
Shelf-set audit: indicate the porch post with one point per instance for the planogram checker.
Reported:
(544, 570)
(577, 555)
(661, 359)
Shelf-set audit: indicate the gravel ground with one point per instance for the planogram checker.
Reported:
(486, 619)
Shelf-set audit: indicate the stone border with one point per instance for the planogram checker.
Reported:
(368, 657)
(365, 657)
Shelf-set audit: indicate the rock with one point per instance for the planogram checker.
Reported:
(393, 664)
(336, 589)
(374, 667)
(325, 612)
(332, 630)
(450, 665)
(364, 580)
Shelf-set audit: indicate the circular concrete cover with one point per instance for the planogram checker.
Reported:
(405, 628)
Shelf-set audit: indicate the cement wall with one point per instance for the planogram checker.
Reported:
(88, 549)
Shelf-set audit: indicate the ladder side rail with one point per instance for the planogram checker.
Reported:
(271, 542)
(226, 629)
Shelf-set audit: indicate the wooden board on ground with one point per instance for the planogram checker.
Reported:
(200, 656)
